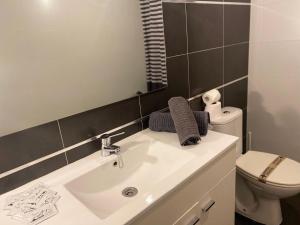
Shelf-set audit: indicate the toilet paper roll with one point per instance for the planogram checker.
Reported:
(211, 97)
(215, 110)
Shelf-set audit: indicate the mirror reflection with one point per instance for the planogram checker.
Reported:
(62, 57)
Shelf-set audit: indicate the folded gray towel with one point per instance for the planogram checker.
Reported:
(184, 121)
(162, 121)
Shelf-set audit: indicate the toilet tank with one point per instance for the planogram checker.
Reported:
(230, 122)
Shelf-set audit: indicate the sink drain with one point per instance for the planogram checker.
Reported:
(130, 192)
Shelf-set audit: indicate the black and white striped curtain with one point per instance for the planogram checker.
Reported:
(154, 40)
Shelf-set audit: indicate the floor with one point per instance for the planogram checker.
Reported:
(240, 220)
(290, 212)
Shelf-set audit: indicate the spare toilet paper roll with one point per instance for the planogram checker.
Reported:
(215, 110)
(211, 97)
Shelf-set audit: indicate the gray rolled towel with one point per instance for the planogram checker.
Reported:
(184, 121)
(203, 120)
(163, 122)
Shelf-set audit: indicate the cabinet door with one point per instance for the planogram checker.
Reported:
(185, 196)
(190, 217)
(218, 205)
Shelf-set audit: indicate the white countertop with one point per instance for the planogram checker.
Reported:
(73, 212)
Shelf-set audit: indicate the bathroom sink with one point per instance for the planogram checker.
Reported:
(144, 166)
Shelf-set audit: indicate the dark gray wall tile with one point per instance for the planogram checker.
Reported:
(245, 122)
(153, 102)
(175, 28)
(33, 172)
(178, 81)
(22, 147)
(129, 130)
(244, 150)
(206, 70)
(205, 26)
(88, 124)
(177, 86)
(235, 62)
(236, 23)
(236, 94)
(197, 104)
(83, 151)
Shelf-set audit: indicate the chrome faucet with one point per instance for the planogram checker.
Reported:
(106, 146)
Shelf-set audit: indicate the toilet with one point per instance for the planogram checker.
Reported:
(262, 178)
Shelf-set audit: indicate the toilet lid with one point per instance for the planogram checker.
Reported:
(253, 163)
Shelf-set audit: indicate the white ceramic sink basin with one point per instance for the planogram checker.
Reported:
(145, 165)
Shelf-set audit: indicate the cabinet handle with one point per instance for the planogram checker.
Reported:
(208, 206)
(194, 221)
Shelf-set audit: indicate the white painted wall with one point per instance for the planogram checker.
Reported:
(62, 57)
(274, 77)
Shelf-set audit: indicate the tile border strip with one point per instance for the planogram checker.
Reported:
(62, 141)
(206, 2)
(187, 50)
(221, 86)
(209, 49)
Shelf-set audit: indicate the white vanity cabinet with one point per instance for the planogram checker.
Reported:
(176, 185)
(205, 198)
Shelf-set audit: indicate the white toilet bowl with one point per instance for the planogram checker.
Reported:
(254, 199)
(261, 201)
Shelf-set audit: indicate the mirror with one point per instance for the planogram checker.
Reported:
(62, 57)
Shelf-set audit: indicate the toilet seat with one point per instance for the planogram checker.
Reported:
(253, 163)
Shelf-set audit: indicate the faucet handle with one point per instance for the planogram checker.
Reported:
(105, 139)
(118, 134)
(106, 146)
(104, 136)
